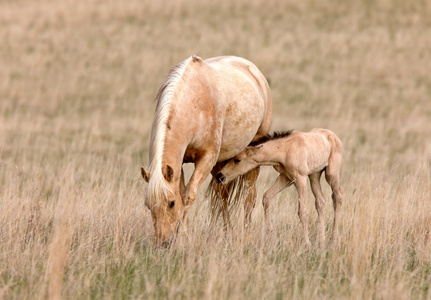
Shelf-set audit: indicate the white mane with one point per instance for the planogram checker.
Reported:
(157, 186)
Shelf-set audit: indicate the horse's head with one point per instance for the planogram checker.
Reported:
(162, 197)
(239, 165)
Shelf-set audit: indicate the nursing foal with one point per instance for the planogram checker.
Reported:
(295, 155)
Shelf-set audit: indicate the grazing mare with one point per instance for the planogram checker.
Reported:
(295, 155)
(207, 112)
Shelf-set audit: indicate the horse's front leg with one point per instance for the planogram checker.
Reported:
(182, 185)
(203, 167)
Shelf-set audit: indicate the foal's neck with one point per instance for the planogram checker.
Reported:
(266, 156)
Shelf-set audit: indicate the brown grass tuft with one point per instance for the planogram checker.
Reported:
(59, 249)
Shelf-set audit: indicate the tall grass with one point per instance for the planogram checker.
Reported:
(76, 87)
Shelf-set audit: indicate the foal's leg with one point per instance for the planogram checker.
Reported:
(280, 184)
(250, 200)
(320, 203)
(332, 176)
(301, 187)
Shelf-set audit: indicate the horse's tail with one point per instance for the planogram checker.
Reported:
(233, 193)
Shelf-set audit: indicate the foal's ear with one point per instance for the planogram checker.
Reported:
(250, 150)
(169, 173)
(145, 174)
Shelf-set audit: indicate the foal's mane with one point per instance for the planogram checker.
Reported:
(270, 137)
(164, 100)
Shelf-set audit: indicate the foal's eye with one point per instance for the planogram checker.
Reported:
(236, 160)
(171, 204)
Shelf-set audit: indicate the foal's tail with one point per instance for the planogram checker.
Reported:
(230, 195)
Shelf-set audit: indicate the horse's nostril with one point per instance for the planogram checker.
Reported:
(220, 178)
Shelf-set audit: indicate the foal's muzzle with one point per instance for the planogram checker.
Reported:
(220, 178)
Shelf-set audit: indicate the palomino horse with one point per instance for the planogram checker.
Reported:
(207, 112)
(295, 155)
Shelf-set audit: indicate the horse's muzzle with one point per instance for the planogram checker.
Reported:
(220, 178)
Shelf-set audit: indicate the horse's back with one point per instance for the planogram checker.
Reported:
(331, 137)
(238, 67)
(239, 64)
(244, 94)
(234, 61)
(309, 151)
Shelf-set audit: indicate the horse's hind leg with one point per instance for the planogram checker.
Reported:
(320, 203)
(280, 184)
(301, 187)
(250, 200)
(332, 175)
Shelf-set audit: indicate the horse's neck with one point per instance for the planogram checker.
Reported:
(174, 149)
(168, 150)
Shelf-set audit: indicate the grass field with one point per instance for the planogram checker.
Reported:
(77, 82)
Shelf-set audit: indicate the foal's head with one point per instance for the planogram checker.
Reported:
(164, 201)
(239, 165)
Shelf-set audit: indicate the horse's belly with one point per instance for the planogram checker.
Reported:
(230, 150)
(240, 127)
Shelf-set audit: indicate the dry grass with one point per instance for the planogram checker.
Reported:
(76, 87)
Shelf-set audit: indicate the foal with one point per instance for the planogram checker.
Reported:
(295, 155)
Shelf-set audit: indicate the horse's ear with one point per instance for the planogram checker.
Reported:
(169, 173)
(145, 174)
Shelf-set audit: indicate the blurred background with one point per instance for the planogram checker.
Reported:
(77, 83)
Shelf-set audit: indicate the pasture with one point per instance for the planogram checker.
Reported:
(77, 83)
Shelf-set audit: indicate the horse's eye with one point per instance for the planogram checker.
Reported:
(236, 160)
(172, 204)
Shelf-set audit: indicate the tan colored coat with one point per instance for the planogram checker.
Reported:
(207, 112)
(296, 156)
